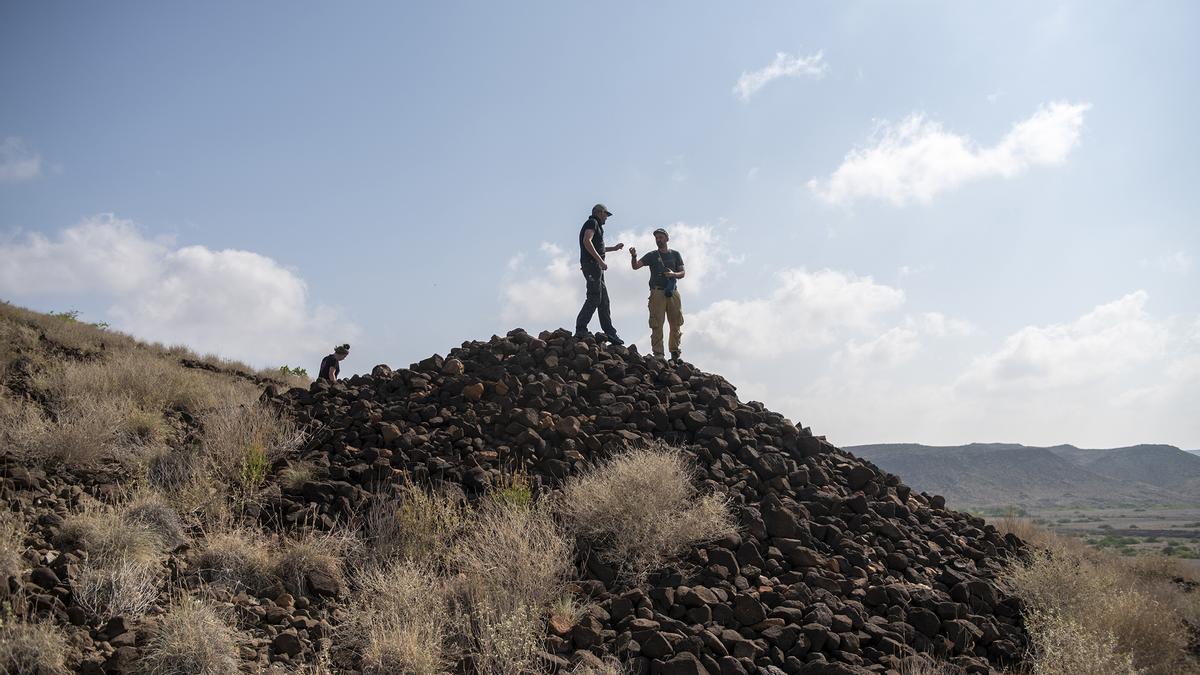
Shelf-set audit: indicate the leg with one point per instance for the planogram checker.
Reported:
(675, 317)
(590, 302)
(605, 314)
(658, 311)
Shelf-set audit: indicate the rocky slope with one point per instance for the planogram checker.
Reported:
(838, 567)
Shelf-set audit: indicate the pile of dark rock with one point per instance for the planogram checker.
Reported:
(837, 567)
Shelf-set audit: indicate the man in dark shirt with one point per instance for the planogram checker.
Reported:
(331, 366)
(591, 262)
(666, 267)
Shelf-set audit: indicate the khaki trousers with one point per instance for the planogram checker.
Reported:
(672, 310)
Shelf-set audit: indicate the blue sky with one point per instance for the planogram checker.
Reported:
(932, 222)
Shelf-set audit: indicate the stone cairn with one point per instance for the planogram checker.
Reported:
(837, 567)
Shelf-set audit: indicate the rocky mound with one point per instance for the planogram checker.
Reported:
(838, 567)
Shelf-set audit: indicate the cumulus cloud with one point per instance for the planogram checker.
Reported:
(804, 311)
(238, 304)
(784, 65)
(1111, 339)
(917, 159)
(18, 160)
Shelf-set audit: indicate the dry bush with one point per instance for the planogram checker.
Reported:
(80, 434)
(1031, 533)
(109, 539)
(640, 510)
(12, 544)
(398, 622)
(32, 648)
(313, 553)
(151, 511)
(242, 441)
(182, 475)
(237, 559)
(514, 557)
(1072, 593)
(502, 642)
(416, 526)
(296, 475)
(126, 588)
(192, 639)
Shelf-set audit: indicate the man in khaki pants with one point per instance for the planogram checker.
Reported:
(666, 267)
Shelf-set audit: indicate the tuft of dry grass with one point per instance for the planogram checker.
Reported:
(1089, 611)
(502, 642)
(109, 539)
(313, 553)
(12, 544)
(237, 559)
(641, 510)
(126, 588)
(152, 512)
(415, 525)
(242, 442)
(514, 557)
(32, 648)
(399, 622)
(192, 639)
(294, 476)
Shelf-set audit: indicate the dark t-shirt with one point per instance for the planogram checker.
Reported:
(660, 262)
(585, 258)
(327, 363)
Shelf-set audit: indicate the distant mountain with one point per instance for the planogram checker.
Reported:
(996, 475)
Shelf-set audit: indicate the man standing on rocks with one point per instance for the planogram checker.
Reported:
(591, 262)
(666, 267)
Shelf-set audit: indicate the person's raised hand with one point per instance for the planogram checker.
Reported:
(632, 252)
(619, 246)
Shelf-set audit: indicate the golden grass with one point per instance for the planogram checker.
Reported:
(32, 648)
(110, 540)
(641, 510)
(313, 553)
(415, 525)
(514, 557)
(241, 442)
(12, 544)
(1090, 611)
(192, 639)
(125, 588)
(237, 559)
(399, 622)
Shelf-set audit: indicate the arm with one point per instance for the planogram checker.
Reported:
(618, 247)
(330, 374)
(633, 259)
(591, 248)
(675, 275)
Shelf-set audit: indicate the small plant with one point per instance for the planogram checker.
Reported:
(286, 371)
(294, 476)
(416, 526)
(399, 621)
(127, 588)
(313, 554)
(237, 559)
(513, 491)
(254, 467)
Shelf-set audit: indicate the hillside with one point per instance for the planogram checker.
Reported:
(996, 475)
(525, 504)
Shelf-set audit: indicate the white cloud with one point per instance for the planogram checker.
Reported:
(806, 310)
(238, 304)
(1178, 262)
(917, 159)
(784, 65)
(1111, 339)
(552, 293)
(18, 160)
(896, 346)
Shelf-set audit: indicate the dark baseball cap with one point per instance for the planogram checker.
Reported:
(660, 230)
(600, 208)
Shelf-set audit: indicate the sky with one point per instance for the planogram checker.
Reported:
(934, 222)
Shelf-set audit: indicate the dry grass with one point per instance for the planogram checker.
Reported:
(313, 553)
(296, 475)
(1089, 611)
(110, 540)
(12, 544)
(151, 511)
(514, 557)
(126, 588)
(192, 639)
(32, 648)
(416, 526)
(241, 443)
(83, 433)
(399, 622)
(237, 559)
(610, 667)
(502, 642)
(641, 510)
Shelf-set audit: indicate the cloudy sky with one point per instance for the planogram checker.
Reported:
(929, 222)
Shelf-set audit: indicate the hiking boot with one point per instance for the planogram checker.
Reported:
(675, 357)
(581, 334)
(614, 339)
